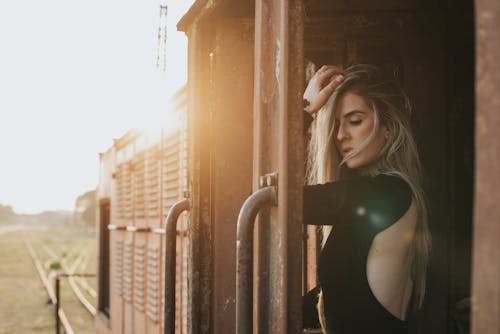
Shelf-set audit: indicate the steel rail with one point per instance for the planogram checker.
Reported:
(60, 314)
(59, 311)
(76, 289)
(72, 280)
(83, 282)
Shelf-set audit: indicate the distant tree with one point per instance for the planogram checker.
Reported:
(7, 215)
(52, 217)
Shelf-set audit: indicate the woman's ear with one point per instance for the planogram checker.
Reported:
(387, 133)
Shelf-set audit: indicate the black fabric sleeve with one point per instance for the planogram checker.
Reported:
(379, 200)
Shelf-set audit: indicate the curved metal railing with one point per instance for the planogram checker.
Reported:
(170, 262)
(244, 256)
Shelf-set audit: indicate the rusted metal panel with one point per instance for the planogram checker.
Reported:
(278, 147)
(232, 159)
(220, 82)
(199, 10)
(204, 10)
(328, 8)
(200, 150)
(486, 265)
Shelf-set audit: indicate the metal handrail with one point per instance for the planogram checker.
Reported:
(113, 227)
(244, 256)
(158, 230)
(132, 228)
(170, 263)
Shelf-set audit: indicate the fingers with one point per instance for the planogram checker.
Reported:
(328, 67)
(334, 83)
(326, 72)
(325, 93)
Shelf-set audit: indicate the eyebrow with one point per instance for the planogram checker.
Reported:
(352, 112)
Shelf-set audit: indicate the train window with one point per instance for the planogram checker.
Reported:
(104, 258)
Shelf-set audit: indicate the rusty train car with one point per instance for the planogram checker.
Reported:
(241, 152)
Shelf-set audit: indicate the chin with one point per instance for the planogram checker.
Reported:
(353, 163)
(360, 166)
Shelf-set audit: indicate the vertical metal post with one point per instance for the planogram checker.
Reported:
(279, 146)
(244, 256)
(170, 263)
(58, 301)
(486, 250)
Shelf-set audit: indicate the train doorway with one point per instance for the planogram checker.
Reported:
(429, 48)
(246, 78)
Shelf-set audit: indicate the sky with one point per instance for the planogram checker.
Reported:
(73, 76)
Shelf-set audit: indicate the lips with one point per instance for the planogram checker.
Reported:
(346, 150)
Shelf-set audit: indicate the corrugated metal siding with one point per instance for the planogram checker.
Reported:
(153, 286)
(148, 174)
(128, 210)
(118, 203)
(152, 182)
(149, 177)
(170, 171)
(118, 266)
(128, 269)
(138, 200)
(140, 277)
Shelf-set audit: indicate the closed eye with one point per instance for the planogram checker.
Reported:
(355, 122)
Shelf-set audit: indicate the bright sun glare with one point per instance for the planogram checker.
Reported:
(155, 131)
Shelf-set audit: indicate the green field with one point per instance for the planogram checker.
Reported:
(24, 307)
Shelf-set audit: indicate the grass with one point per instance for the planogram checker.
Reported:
(23, 307)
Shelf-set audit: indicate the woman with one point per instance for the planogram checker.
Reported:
(364, 190)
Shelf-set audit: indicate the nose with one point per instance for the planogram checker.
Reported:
(341, 132)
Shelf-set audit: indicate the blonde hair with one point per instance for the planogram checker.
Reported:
(398, 157)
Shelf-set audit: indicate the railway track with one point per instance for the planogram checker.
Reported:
(76, 281)
(86, 298)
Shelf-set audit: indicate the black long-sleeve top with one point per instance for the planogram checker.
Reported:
(358, 209)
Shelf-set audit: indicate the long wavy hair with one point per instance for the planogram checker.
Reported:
(398, 157)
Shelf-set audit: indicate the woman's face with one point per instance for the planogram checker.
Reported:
(354, 123)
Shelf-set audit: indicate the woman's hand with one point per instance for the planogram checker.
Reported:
(321, 86)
